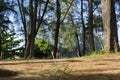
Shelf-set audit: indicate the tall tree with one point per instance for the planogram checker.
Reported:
(35, 18)
(83, 25)
(90, 26)
(0, 45)
(77, 37)
(109, 25)
(23, 13)
(58, 12)
(5, 8)
(58, 23)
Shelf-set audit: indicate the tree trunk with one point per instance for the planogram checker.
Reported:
(31, 55)
(83, 25)
(78, 45)
(27, 47)
(30, 31)
(90, 26)
(31, 34)
(109, 25)
(114, 35)
(0, 47)
(33, 20)
(77, 38)
(23, 18)
(57, 28)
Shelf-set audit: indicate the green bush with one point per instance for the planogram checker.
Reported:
(42, 48)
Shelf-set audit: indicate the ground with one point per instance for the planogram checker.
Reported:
(105, 67)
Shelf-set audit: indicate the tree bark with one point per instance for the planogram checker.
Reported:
(27, 51)
(58, 12)
(78, 45)
(110, 26)
(83, 25)
(31, 34)
(0, 46)
(90, 26)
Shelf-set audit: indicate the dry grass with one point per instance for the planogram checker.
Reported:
(106, 67)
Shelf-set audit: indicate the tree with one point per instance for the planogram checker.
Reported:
(8, 43)
(77, 38)
(58, 12)
(90, 26)
(23, 14)
(109, 25)
(83, 25)
(58, 23)
(5, 8)
(35, 18)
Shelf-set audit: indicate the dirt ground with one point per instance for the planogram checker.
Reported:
(105, 68)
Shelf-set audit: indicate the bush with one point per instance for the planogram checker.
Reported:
(42, 48)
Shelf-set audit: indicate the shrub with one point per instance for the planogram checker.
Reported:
(42, 48)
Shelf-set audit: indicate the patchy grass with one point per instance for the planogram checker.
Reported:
(94, 67)
(96, 55)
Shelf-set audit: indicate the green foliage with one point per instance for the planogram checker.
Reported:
(98, 52)
(8, 41)
(95, 54)
(67, 33)
(42, 48)
(7, 35)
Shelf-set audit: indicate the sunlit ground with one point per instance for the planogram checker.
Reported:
(104, 67)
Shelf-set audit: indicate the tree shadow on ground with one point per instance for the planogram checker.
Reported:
(8, 73)
(71, 77)
(66, 76)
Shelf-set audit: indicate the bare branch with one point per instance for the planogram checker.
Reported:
(67, 12)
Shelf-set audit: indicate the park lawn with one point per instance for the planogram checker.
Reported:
(104, 67)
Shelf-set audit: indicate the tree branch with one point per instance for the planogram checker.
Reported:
(67, 12)
(41, 19)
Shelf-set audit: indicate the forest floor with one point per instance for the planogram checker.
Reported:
(104, 67)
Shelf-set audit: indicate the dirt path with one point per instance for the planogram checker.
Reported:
(64, 69)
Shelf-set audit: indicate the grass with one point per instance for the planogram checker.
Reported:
(100, 55)
(94, 56)
(59, 72)
(92, 67)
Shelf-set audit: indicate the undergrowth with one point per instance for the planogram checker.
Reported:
(101, 54)
(95, 54)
